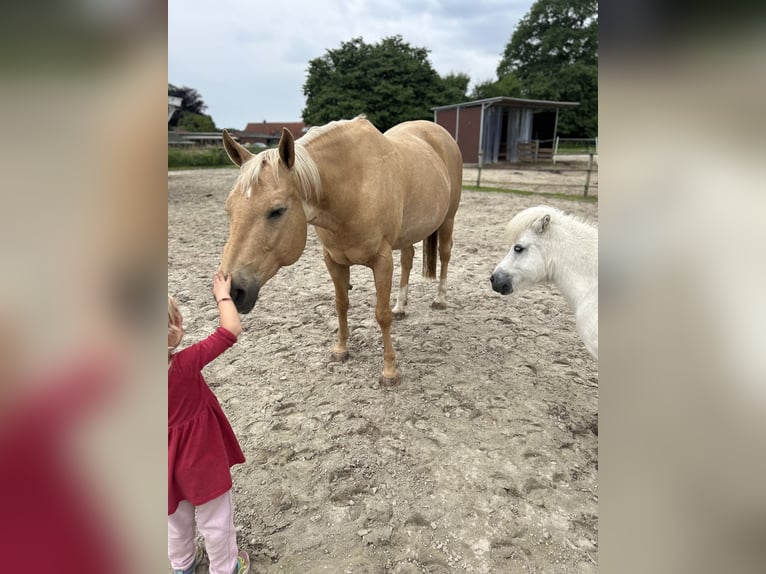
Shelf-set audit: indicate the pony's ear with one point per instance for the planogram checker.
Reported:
(287, 148)
(237, 153)
(542, 223)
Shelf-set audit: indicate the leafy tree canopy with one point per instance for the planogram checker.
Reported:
(508, 86)
(390, 82)
(553, 54)
(191, 122)
(191, 102)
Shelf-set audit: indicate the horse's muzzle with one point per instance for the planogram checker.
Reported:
(501, 282)
(244, 293)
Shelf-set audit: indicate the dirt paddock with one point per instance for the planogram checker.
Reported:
(484, 459)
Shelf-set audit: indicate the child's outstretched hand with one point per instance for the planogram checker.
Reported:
(226, 308)
(221, 285)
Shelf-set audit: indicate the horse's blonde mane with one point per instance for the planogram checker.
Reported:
(309, 182)
(318, 131)
(526, 218)
(307, 174)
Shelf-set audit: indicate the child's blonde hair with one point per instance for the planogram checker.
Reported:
(175, 320)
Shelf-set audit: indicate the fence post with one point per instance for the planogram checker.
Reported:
(587, 176)
(478, 174)
(555, 148)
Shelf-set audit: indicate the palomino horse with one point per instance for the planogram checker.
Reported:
(365, 192)
(549, 245)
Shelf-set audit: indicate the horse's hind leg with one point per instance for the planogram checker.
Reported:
(408, 253)
(340, 277)
(445, 252)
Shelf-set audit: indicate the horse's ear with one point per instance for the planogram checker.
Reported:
(287, 148)
(542, 223)
(237, 153)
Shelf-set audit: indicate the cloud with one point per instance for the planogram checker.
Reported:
(249, 60)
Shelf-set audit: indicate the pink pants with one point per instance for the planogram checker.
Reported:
(216, 524)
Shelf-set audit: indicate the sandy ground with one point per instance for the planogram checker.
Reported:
(484, 460)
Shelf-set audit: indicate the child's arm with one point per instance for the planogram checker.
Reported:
(226, 309)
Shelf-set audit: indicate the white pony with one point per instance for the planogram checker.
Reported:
(549, 245)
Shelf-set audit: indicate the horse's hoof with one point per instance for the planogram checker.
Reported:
(398, 314)
(438, 305)
(389, 383)
(339, 357)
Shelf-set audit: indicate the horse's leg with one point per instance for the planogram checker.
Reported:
(340, 277)
(408, 253)
(383, 271)
(445, 251)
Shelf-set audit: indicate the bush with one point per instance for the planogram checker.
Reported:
(191, 122)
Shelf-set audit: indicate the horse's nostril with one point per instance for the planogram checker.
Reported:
(492, 279)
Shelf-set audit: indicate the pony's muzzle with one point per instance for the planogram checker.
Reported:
(501, 282)
(244, 293)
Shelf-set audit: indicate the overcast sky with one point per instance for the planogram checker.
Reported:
(248, 58)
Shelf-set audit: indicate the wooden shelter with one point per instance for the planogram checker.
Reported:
(502, 129)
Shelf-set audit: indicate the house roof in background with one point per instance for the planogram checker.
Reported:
(274, 128)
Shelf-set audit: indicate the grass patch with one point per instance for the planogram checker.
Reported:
(194, 157)
(193, 167)
(591, 198)
(576, 150)
(197, 157)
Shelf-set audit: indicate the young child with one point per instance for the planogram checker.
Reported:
(201, 447)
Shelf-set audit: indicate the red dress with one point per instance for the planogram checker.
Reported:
(201, 444)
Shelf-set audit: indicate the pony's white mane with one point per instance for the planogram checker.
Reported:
(307, 174)
(524, 220)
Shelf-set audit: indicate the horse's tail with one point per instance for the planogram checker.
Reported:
(430, 245)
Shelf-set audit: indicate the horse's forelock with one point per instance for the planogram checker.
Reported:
(526, 218)
(251, 171)
(309, 183)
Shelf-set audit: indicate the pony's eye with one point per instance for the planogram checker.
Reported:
(518, 248)
(276, 213)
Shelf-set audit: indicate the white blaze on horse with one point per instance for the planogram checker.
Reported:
(549, 245)
(366, 193)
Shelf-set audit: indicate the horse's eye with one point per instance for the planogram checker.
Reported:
(518, 248)
(276, 213)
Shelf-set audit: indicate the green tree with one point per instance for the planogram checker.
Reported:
(554, 55)
(191, 122)
(509, 86)
(454, 88)
(390, 82)
(191, 103)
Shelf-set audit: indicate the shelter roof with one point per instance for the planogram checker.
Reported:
(511, 102)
